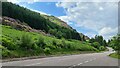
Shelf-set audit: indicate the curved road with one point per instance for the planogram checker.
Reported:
(94, 59)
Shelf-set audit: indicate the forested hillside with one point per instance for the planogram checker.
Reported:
(37, 21)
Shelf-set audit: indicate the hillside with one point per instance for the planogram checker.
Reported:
(47, 24)
(64, 24)
(36, 21)
(17, 43)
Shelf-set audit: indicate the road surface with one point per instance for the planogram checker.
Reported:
(94, 59)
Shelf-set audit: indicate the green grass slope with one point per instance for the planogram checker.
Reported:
(115, 55)
(16, 43)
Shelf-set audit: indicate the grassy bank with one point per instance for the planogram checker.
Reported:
(115, 55)
(16, 43)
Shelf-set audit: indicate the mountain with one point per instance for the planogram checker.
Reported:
(39, 22)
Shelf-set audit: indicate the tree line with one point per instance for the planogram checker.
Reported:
(115, 42)
(98, 42)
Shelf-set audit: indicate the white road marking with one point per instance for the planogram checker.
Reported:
(86, 61)
(80, 63)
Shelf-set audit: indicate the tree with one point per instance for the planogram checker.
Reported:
(59, 34)
(98, 42)
(115, 42)
(98, 39)
(105, 43)
(92, 40)
(96, 45)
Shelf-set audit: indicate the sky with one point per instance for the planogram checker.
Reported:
(89, 18)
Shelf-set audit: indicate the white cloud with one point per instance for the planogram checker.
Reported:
(66, 19)
(66, 4)
(90, 34)
(108, 31)
(98, 17)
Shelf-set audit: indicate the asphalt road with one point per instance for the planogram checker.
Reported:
(94, 59)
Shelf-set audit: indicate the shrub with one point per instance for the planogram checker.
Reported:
(68, 46)
(61, 45)
(47, 50)
(35, 47)
(64, 44)
(26, 41)
(6, 53)
(101, 48)
(2, 47)
(96, 45)
(8, 44)
(54, 42)
(51, 46)
(41, 42)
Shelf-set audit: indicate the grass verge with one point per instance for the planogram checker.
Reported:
(115, 55)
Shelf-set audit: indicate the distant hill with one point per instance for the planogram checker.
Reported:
(57, 21)
(46, 24)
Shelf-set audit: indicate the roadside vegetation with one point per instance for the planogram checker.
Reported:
(17, 43)
(115, 55)
(115, 44)
(99, 43)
